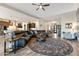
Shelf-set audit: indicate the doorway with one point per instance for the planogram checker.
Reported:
(56, 29)
(24, 27)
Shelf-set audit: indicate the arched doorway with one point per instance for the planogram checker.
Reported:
(30, 26)
(56, 29)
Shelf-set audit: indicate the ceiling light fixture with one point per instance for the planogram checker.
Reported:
(41, 6)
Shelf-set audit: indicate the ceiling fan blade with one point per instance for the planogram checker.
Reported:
(43, 9)
(46, 5)
(40, 3)
(37, 9)
(34, 4)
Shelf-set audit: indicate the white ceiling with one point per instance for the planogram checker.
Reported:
(52, 10)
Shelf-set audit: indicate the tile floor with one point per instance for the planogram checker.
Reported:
(26, 51)
(1, 47)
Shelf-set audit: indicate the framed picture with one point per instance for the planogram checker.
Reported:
(19, 25)
(68, 25)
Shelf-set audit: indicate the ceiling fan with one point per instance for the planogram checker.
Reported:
(41, 6)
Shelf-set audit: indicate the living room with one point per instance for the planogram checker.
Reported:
(36, 23)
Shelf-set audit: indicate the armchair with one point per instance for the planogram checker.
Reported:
(69, 35)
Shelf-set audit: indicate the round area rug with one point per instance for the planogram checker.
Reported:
(52, 47)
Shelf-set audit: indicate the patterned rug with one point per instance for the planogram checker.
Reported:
(52, 47)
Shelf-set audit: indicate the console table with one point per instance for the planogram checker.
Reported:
(13, 40)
